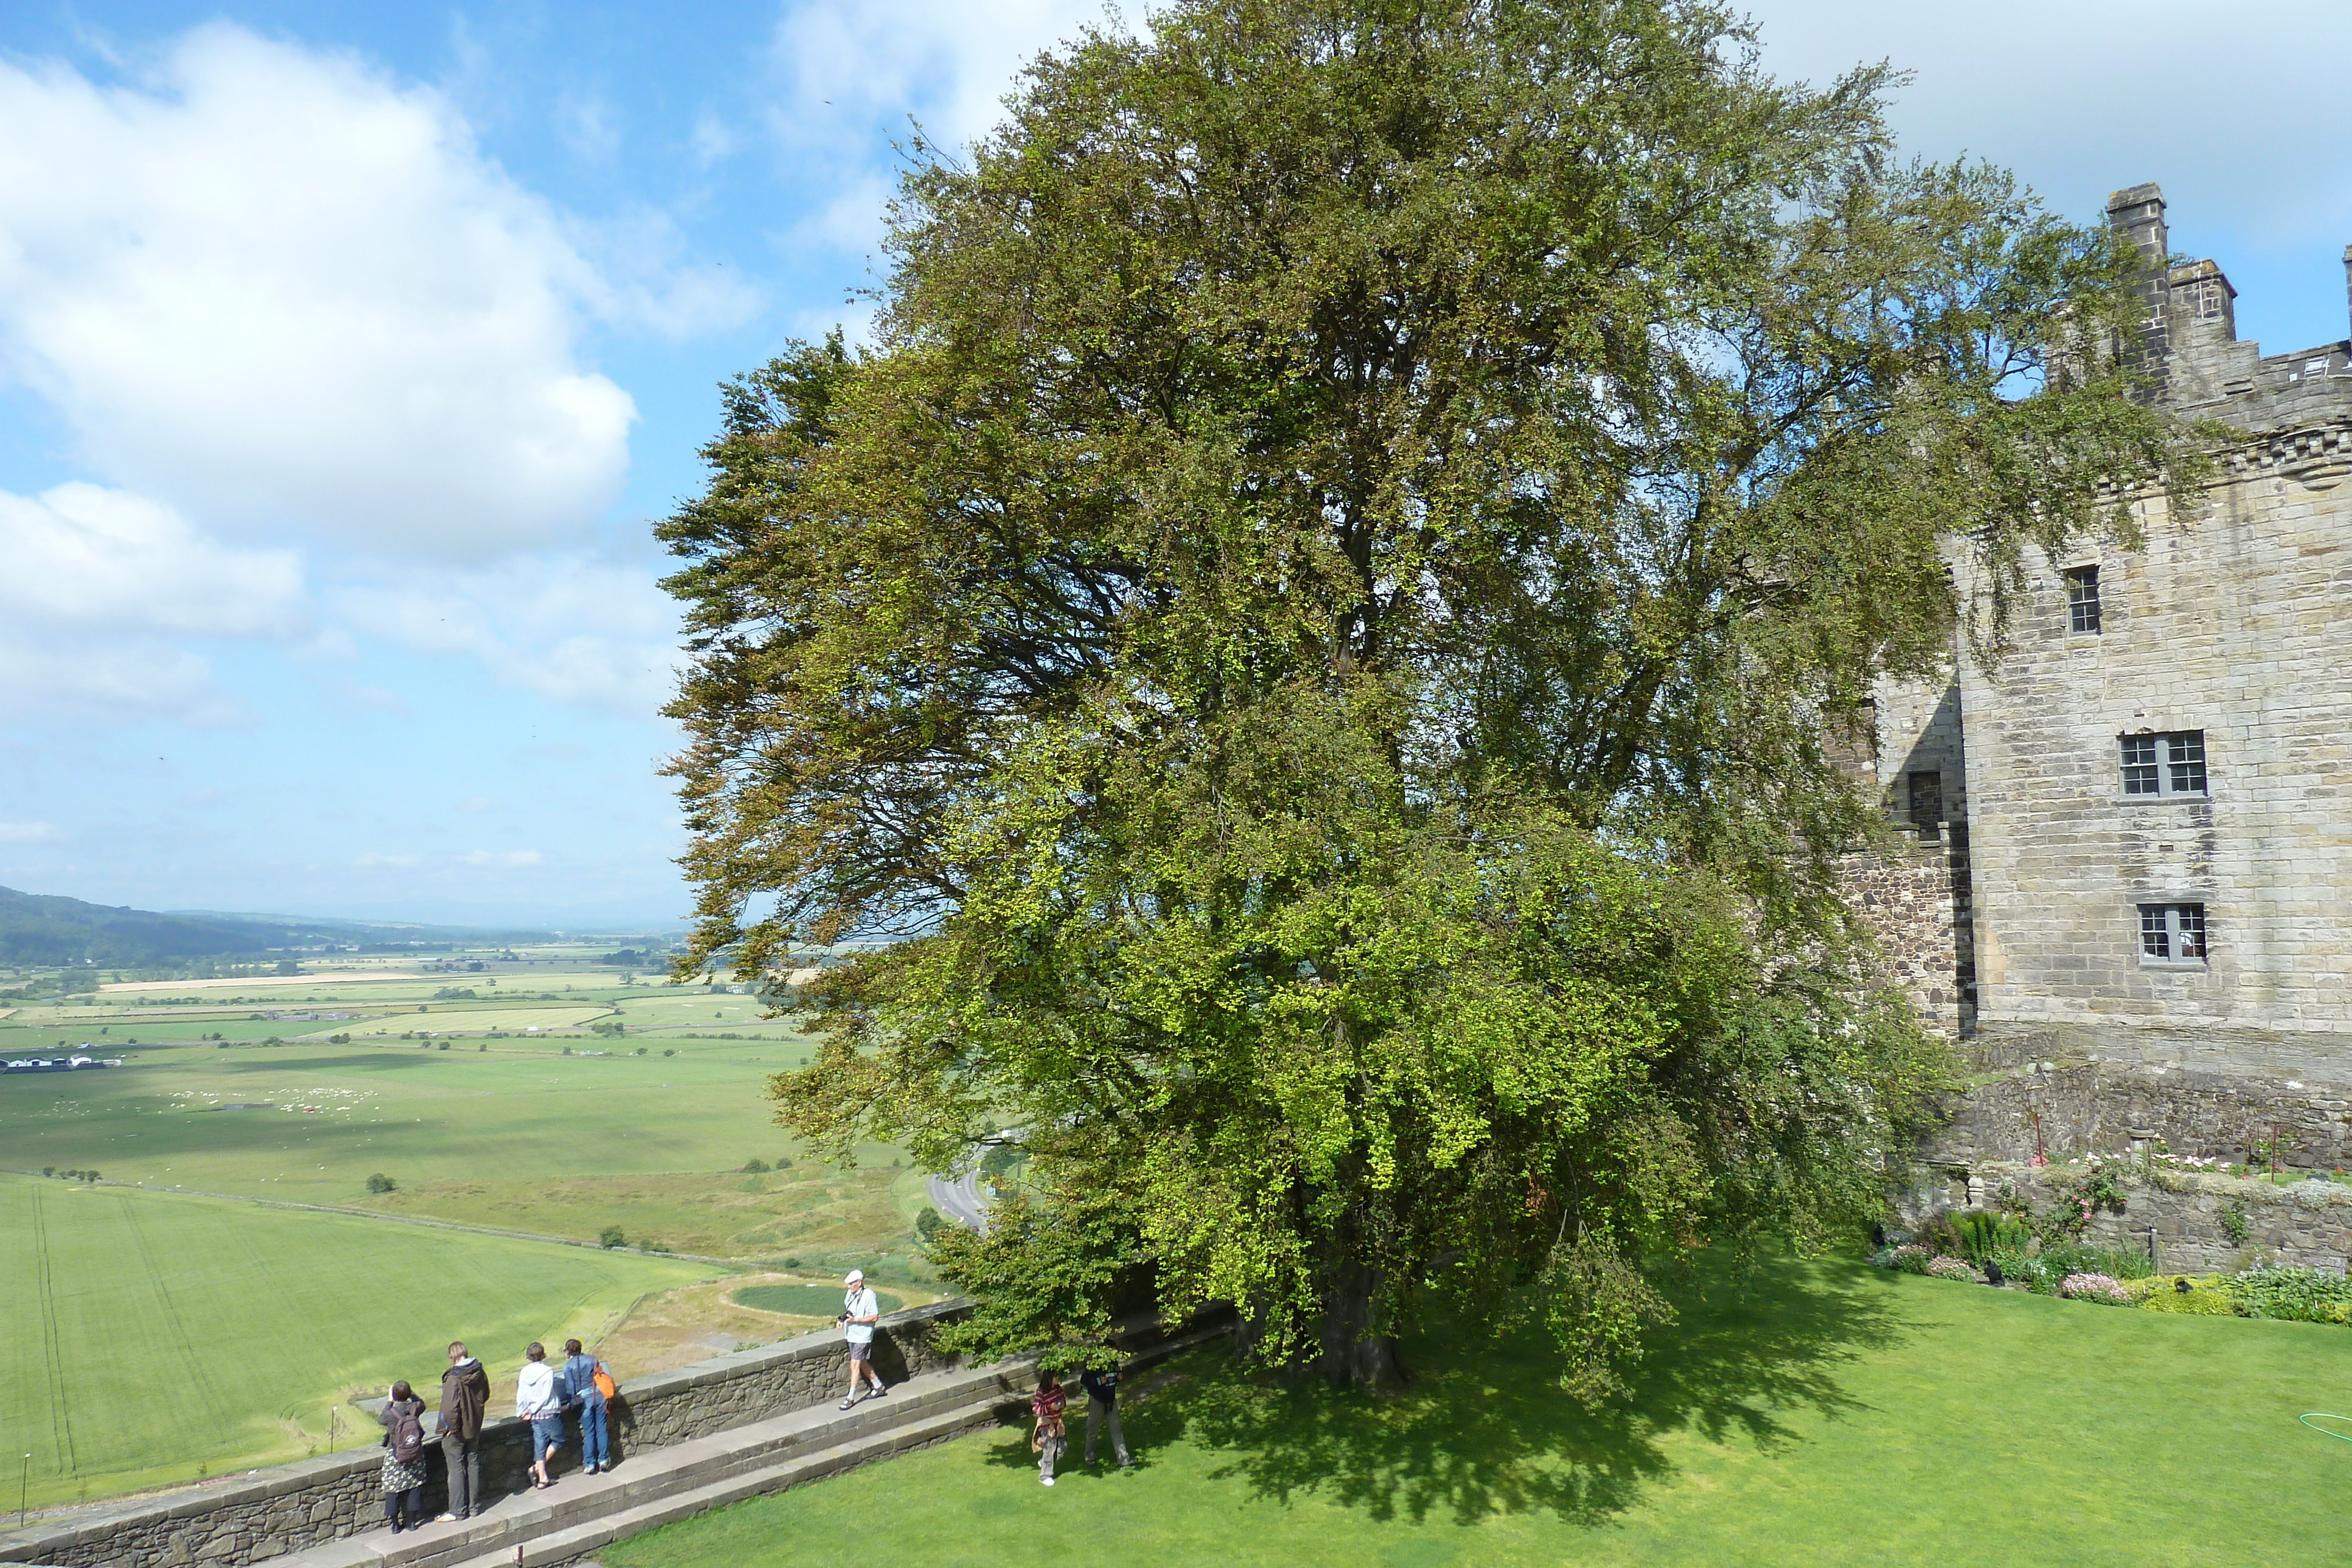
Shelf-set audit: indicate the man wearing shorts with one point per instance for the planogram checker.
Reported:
(860, 1309)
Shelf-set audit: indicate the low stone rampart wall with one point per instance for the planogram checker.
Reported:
(287, 1508)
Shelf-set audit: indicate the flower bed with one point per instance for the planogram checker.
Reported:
(2092, 1288)
(2297, 1295)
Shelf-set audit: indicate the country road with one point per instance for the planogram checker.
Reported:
(961, 1200)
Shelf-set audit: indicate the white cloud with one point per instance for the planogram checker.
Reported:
(282, 293)
(97, 582)
(598, 634)
(82, 556)
(854, 71)
(712, 140)
(500, 858)
(950, 64)
(77, 678)
(30, 834)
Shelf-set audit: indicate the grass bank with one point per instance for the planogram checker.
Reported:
(1832, 1415)
(157, 1338)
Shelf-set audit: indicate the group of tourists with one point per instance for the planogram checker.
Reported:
(582, 1384)
(1049, 1403)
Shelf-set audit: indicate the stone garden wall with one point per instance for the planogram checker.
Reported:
(2188, 1214)
(290, 1507)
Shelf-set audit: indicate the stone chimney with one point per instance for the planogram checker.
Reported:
(2138, 215)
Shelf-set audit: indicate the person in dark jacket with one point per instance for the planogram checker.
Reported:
(1100, 1381)
(465, 1394)
(576, 1384)
(403, 1419)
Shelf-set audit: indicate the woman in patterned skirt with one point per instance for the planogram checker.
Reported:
(403, 1458)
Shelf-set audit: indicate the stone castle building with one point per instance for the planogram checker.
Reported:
(2130, 887)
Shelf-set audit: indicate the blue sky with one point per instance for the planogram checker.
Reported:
(348, 351)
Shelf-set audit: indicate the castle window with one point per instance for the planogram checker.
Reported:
(2169, 764)
(2083, 598)
(1927, 804)
(2172, 932)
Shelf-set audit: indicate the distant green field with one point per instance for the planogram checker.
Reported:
(523, 1015)
(803, 1300)
(644, 1132)
(152, 1338)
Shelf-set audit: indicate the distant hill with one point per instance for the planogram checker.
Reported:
(42, 929)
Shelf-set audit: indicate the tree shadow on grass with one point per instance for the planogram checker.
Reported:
(1485, 1428)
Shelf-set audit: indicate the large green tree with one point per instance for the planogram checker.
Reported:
(1313, 630)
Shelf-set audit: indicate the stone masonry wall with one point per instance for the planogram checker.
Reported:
(290, 1506)
(2106, 1108)
(2306, 1225)
(1905, 899)
(2230, 620)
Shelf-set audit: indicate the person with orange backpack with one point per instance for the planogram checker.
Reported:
(585, 1385)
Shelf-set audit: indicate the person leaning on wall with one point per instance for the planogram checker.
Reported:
(465, 1396)
(576, 1385)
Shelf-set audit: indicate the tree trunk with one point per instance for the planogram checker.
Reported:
(1356, 1353)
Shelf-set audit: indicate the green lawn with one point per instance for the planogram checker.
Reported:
(1835, 1415)
(153, 1338)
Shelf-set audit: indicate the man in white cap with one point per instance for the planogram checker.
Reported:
(860, 1309)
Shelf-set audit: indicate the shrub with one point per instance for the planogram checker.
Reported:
(2204, 1298)
(610, 1236)
(2116, 1263)
(2298, 1296)
(2036, 1274)
(927, 1223)
(1952, 1269)
(2234, 1221)
(1910, 1258)
(755, 1164)
(669, 1053)
(2092, 1288)
(1988, 1232)
(381, 1183)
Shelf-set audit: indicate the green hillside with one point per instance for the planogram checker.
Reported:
(48, 929)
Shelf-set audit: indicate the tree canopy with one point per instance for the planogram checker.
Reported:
(1313, 632)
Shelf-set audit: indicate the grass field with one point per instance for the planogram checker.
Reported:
(516, 1135)
(155, 1338)
(460, 1020)
(1837, 1416)
(498, 1129)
